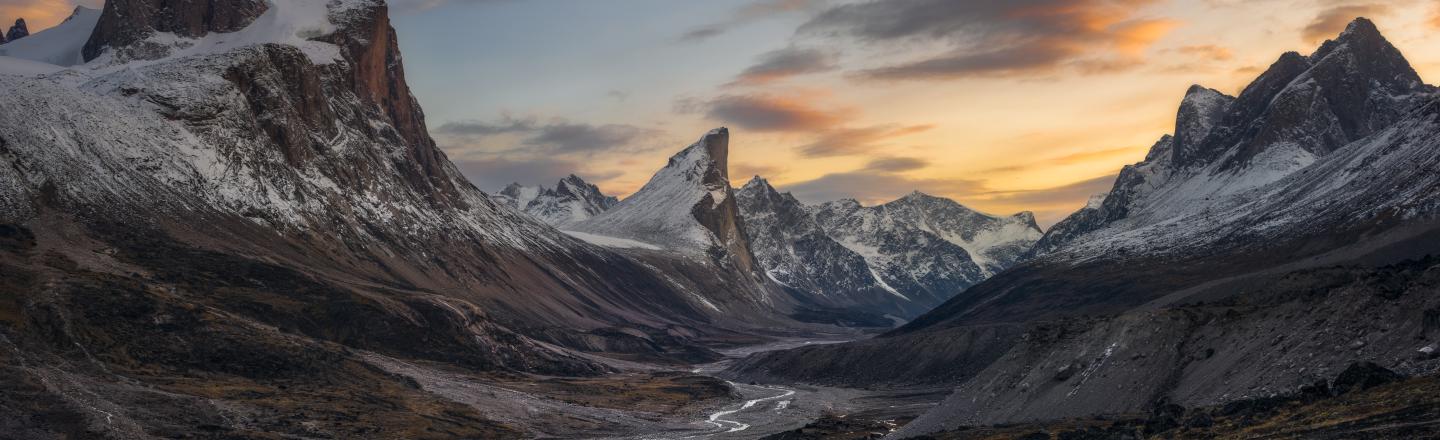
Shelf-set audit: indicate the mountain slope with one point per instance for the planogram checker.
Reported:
(571, 201)
(1236, 292)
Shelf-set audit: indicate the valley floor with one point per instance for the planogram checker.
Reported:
(652, 402)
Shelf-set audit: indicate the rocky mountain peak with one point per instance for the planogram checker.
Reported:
(717, 147)
(1200, 110)
(124, 23)
(687, 205)
(17, 31)
(757, 182)
(1026, 218)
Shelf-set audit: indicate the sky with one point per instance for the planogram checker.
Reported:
(1002, 105)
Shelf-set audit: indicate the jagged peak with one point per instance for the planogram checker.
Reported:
(1026, 217)
(1200, 90)
(757, 182)
(1360, 28)
(571, 181)
(714, 145)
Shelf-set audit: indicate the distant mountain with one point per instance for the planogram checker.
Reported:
(798, 254)
(902, 257)
(685, 220)
(17, 30)
(1272, 240)
(571, 201)
(687, 206)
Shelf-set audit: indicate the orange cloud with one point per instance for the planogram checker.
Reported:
(1001, 38)
(1132, 38)
(760, 112)
(1208, 51)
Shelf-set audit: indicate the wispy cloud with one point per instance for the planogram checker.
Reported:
(1107, 155)
(988, 38)
(553, 137)
(857, 140)
(785, 63)
(770, 113)
(1208, 52)
(756, 10)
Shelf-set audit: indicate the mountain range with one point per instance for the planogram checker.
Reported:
(1275, 238)
(228, 219)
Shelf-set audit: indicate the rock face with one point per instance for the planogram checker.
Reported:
(129, 22)
(1299, 110)
(1211, 276)
(17, 30)
(573, 200)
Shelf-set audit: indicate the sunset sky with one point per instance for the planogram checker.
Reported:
(1001, 105)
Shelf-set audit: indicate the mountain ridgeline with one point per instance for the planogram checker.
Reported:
(1275, 238)
(837, 262)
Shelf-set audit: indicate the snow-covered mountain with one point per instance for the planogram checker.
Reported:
(573, 200)
(686, 222)
(795, 252)
(687, 206)
(1275, 238)
(928, 248)
(902, 257)
(1224, 148)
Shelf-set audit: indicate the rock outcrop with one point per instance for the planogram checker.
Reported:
(17, 31)
(127, 23)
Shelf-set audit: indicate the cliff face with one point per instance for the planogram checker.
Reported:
(377, 74)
